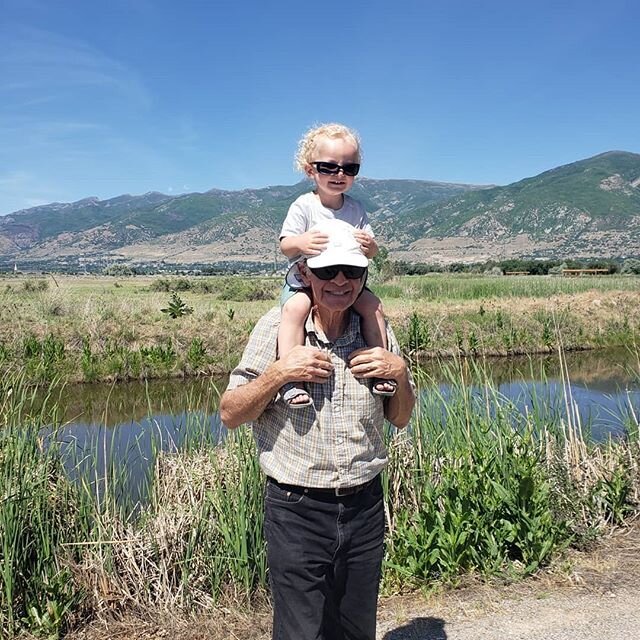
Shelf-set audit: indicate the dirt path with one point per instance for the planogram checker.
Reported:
(592, 595)
(595, 599)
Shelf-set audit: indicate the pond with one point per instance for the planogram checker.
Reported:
(128, 420)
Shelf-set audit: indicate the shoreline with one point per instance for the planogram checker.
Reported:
(586, 595)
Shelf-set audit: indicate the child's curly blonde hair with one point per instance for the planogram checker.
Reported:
(309, 140)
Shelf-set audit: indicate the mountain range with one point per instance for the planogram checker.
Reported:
(589, 208)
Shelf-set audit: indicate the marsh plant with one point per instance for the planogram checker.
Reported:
(176, 308)
(473, 485)
(40, 511)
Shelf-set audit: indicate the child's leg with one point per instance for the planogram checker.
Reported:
(369, 308)
(293, 315)
(374, 332)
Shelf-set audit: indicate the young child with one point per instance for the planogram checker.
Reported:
(330, 156)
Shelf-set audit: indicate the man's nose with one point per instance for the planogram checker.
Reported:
(340, 278)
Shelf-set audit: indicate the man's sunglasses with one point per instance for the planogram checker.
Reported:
(333, 168)
(329, 273)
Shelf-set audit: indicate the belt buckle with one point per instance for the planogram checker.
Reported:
(345, 491)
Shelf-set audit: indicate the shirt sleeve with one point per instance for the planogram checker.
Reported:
(259, 352)
(363, 221)
(295, 223)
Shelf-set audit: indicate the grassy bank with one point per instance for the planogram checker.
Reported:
(103, 328)
(473, 485)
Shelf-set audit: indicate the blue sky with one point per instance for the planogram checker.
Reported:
(128, 96)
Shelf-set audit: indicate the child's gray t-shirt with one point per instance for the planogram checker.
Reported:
(306, 211)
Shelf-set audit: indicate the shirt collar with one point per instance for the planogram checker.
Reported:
(350, 334)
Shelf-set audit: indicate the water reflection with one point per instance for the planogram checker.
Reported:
(105, 424)
(599, 381)
(123, 403)
(599, 389)
(606, 370)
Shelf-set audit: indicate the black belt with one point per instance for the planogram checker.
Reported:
(337, 491)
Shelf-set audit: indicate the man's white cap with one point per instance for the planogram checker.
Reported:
(342, 248)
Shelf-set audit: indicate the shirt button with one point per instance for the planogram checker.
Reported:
(339, 440)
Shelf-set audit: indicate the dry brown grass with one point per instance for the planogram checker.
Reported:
(609, 566)
(139, 568)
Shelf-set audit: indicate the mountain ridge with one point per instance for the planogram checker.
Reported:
(590, 207)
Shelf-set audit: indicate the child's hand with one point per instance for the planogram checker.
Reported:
(367, 243)
(313, 242)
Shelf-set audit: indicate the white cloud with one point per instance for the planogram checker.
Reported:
(39, 65)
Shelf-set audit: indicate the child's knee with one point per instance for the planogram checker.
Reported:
(369, 304)
(297, 306)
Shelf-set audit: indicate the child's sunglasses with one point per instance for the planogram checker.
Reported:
(329, 273)
(333, 168)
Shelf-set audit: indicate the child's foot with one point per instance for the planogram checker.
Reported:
(384, 387)
(296, 396)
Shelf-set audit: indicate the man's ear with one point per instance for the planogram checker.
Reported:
(303, 270)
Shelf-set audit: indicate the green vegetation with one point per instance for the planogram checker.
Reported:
(118, 328)
(516, 265)
(473, 485)
(550, 202)
(176, 307)
(495, 491)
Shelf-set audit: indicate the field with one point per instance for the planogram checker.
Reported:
(105, 328)
(473, 486)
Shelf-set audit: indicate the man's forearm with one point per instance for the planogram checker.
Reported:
(247, 402)
(399, 407)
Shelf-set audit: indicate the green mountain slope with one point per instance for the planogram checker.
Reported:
(211, 215)
(586, 208)
(598, 194)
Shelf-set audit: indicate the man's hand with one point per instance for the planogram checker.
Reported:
(247, 402)
(376, 362)
(306, 364)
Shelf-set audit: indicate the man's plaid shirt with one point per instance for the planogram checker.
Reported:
(338, 442)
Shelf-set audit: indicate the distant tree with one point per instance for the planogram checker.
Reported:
(119, 270)
(381, 267)
(494, 271)
(557, 270)
(631, 265)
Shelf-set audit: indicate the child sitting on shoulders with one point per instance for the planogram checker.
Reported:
(330, 156)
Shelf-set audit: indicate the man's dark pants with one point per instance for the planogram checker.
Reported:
(325, 557)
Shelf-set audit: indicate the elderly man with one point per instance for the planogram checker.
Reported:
(324, 515)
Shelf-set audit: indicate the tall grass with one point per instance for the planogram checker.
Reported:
(476, 485)
(196, 541)
(499, 331)
(448, 287)
(40, 510)
(93, 330)
(473, 485)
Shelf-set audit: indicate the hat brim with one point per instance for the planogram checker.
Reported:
(331, 258)
(294, 277)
